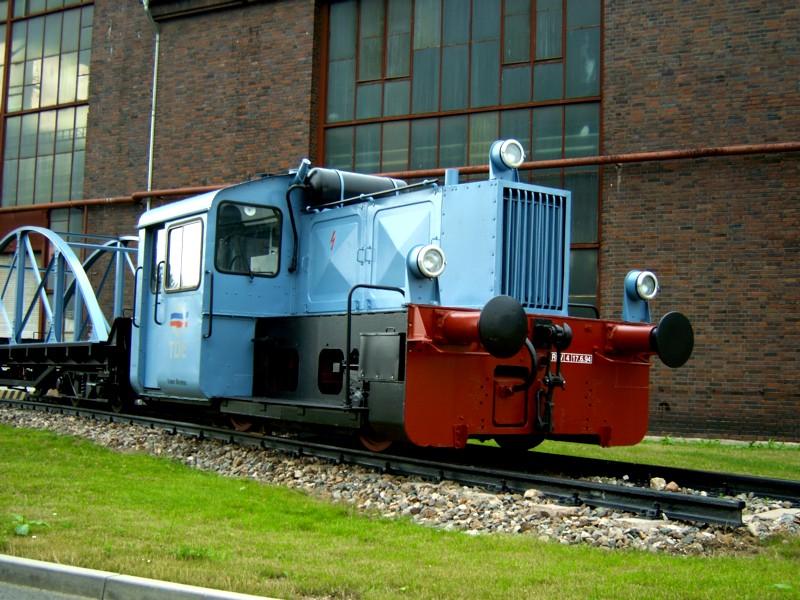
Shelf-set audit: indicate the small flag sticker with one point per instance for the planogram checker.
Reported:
(179, 320)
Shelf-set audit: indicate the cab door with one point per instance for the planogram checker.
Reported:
(173, 319)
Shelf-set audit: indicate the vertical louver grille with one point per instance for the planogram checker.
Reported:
(534, 235)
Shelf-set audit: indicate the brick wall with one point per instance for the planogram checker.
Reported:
(234, 98)
(119, 96)
(722, 234)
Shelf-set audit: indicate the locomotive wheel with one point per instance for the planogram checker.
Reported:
(240, 423)
(373, 442)
(118, 404)
(519, 443)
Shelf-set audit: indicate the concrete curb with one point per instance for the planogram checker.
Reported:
(102, 585)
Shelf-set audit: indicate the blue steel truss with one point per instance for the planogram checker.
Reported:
(48, 275)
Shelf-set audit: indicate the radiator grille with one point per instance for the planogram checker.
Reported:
(534, 239)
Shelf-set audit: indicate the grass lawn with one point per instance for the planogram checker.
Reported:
(768, 459)
(156, 518)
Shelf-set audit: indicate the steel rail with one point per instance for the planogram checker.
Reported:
(645, 502)
(730, 484)
(724, 483)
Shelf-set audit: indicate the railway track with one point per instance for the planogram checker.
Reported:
(483, 467)
(729, 484)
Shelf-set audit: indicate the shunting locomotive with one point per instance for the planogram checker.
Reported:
(425, 312)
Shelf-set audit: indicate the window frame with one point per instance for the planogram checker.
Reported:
(170, 228)
(346, 127)
(249, 274)
(73, 185)
(338, 138)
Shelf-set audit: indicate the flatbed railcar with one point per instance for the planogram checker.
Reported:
(427, 313)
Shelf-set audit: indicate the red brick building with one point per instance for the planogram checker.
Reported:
(247, 86)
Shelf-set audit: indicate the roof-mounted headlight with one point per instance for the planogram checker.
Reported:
(647, 285)
(512, 153)
(427, 261)
(505, 156)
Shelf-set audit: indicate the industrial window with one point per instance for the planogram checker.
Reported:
(45, 102)
(184, 256)
(416, 84)
(248, 240)
(67, 221)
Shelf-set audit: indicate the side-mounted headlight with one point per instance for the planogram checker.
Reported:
(640, 288)
(427, 261)
(646, 285)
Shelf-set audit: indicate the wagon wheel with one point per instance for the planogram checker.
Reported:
(373, 442)
(519, 443)
(68, 390)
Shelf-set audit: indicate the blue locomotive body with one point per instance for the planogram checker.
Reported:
(217, 263)
(423, 312)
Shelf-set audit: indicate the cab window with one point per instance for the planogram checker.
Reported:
(184, 256)
(248, 240)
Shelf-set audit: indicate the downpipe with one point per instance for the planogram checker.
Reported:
(152, 141)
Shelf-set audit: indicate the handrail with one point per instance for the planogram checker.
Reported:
(210, 304)
(155, 295)
(135, 292)
(348, 401)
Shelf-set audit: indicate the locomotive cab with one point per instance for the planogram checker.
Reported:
(208, 266)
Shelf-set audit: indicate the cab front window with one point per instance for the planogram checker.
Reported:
(248, 240)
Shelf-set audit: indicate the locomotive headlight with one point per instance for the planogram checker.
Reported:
(646, 285)
(427, 261)
(640, 287)
(512, 154)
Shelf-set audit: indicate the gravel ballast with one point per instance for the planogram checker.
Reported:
(445, 504)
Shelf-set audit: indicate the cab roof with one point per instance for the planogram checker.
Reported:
(178, 210)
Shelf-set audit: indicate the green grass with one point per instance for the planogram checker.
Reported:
(768, 459)
(156, 518)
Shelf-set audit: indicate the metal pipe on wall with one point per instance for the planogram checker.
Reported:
(611, 159)
(151, 144)
(634, 157)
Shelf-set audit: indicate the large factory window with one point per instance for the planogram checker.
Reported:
(415, 84)
(45, 100)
